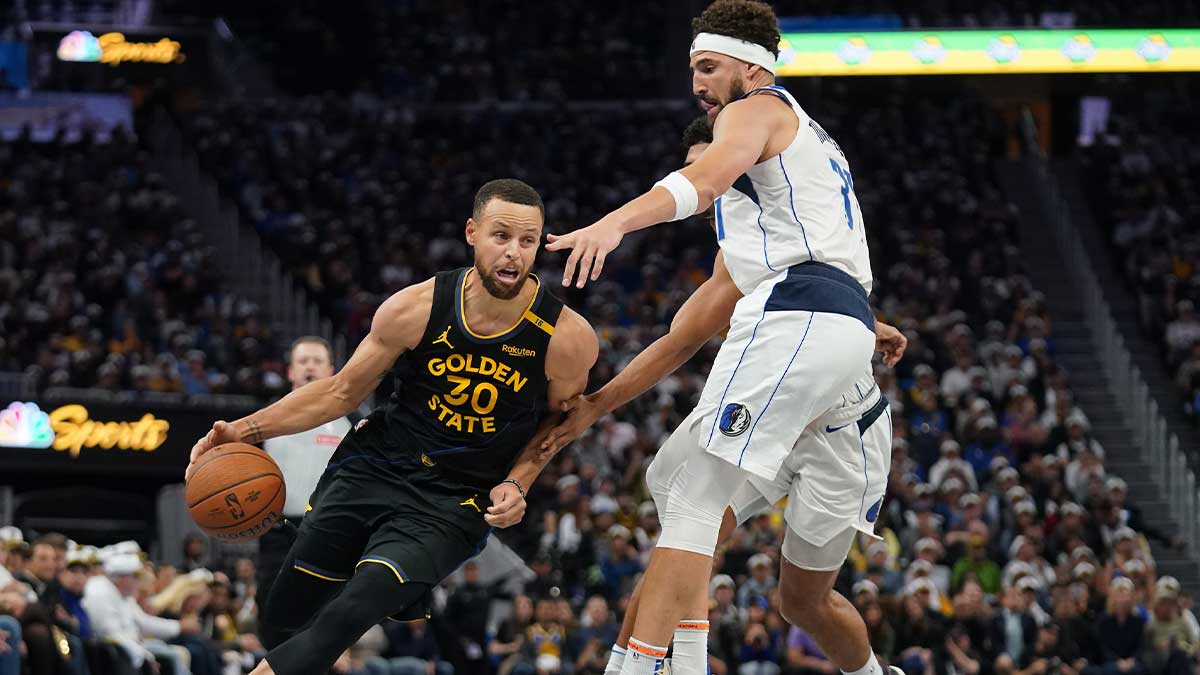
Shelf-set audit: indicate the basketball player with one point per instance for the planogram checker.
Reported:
(793, 241)
(416, 487)
(702, 317)
(302, 457)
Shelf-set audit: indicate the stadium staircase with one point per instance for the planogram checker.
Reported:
(1147, 352)
(249, 265)
(1078, 349)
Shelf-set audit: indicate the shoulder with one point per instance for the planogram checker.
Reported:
(754, 107)
(574, 341)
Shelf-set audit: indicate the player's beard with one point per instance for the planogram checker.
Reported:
(737, 89)
(496, 290)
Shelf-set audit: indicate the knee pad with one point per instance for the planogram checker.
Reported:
(665, 466)
(696, 503)
(808, 556)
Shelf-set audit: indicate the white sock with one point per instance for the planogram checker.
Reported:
(691, 648)
(642, 658)
(616, 658)
(871, 667)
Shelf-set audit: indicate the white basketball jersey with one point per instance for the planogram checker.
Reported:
(793, 208)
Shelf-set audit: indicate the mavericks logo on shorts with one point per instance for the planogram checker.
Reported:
(735, 419)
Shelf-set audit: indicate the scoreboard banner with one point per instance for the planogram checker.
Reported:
(989, 52)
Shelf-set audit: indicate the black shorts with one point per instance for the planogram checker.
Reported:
(372, 507)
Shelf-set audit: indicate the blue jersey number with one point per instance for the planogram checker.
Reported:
(847, 186)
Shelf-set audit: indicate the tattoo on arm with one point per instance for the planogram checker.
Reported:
(255, 434)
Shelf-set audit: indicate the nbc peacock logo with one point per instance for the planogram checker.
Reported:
(854, 51)
(81, 46)
(1154, 48)
(24, 425)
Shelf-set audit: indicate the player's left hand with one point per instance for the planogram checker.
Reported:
(890, 342)
(582, 412)
(589, 247)
(508, 506)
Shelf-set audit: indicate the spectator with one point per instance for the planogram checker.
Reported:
(1172, 645)
(804, 657)
(1013, 631)
(598, 632)
(505, 648)
(467, 616)
(1121, 633)
(761, 582)
(879, 630)
(977, 565)
(545, 641)
(193, 552)
(412, 650)
(110, 601)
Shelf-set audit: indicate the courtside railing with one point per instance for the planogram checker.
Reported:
(1156, 445)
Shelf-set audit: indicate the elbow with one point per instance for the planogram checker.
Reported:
(705, 196)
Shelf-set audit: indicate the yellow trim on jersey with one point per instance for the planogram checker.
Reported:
(385, 563)
(319, 576)
(307, 508)
(538, 321)
(462, 310)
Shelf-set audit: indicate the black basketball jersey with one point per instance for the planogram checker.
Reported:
(465, 403)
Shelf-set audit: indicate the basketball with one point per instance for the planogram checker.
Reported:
(236, 492)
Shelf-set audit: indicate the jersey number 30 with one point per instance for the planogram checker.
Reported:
(847, 187)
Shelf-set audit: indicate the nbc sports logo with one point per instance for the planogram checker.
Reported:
(24, 425)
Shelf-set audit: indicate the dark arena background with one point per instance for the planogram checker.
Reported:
(188, 187)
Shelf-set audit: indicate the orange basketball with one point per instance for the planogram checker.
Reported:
(236, 492)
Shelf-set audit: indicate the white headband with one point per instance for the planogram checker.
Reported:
(738, 49)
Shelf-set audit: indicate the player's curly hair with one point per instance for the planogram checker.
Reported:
(748, 20)
(699, 131)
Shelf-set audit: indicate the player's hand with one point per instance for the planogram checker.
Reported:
(222, 432)
(582, 412)
(589, 247)
(890, 342)
(508, 506)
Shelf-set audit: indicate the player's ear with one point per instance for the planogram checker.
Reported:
(472, 228)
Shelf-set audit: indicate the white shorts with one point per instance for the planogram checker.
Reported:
(834, 478)
(778, 370)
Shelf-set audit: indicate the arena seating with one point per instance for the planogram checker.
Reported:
(107, 284)
(1142, 178)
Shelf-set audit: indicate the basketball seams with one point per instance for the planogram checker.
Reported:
(230, 487)
(245, 521)
(217, 453)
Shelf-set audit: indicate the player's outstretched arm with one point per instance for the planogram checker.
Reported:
(740, 139)
(569, 358)
(397, 326)
(705, 314)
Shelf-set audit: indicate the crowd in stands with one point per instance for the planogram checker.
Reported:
(361, 197)
(105, 283)
(1143, 185)
(1006, 547)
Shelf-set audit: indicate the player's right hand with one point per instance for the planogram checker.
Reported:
(890, 342)
(222, 432)
(582, 412)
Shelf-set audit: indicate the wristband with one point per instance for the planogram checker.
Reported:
(514, 481)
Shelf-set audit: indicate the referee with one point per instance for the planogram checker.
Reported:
(302, 457)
